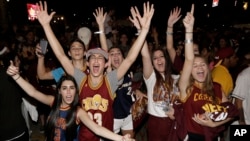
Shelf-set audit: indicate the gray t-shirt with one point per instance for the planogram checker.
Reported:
(111, 77)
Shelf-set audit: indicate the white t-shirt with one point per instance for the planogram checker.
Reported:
(155, 108)
(242, 92)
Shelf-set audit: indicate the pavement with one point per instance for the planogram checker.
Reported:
(36, 135)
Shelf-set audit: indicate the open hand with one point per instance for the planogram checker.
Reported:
(174, 16)
(100, 16)
(148, 12)
(42, 15)
(135, 13)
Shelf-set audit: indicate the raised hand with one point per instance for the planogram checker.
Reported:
(174, 16)
(135, 12)
(148, 12)
(12, 69)
(100, 16)
(39, 51)
(42, 15)
(188, 21)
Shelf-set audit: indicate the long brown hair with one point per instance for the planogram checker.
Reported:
(207, 87)
(71, 126)
(167, 82)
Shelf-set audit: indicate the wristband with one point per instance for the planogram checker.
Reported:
(3, 50)
(17, 78)
(188, 41)
(170, 27)
(188, 32)
(98, 32)
(169, 33)
(138, 32)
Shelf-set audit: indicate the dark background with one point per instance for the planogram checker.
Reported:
(80, 11)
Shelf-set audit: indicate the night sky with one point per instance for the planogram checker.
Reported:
(225, 13)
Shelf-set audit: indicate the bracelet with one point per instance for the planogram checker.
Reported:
(98, 32)
(17, 78)
(188, 32)
(138, 32)
(3, 50)
(170, 27)
(188, 41)
(169, 33)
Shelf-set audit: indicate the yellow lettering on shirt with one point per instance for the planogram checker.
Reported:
(208, 107)
(95, 103)
(213, 108)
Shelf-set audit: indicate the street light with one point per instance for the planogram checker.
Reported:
(245, 5)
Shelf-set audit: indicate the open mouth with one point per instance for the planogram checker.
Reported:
(200, 74)
(69, 97)
(96, 68)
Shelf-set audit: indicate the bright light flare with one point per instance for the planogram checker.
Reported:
(245, 5)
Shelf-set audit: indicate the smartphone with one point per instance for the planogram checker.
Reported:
(32, 11)
(43, 45)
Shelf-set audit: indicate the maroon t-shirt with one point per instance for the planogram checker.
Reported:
(199, 103)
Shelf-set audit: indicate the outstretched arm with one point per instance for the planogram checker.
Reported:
(13, 71)
(137, 45)
(99, 130)
(44, 20)
(188, 22)
(172, 19)
(100, 18)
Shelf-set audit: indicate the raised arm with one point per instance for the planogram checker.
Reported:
(42, 71)
(188, 22)
(172, 19)
(13, 71)
(100, 18)
(137, 45)
(146, 59)
(44, 20)
(99, 130)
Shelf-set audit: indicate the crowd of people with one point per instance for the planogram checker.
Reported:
(194, 80)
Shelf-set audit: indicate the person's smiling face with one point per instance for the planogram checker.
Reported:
(200, 69)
